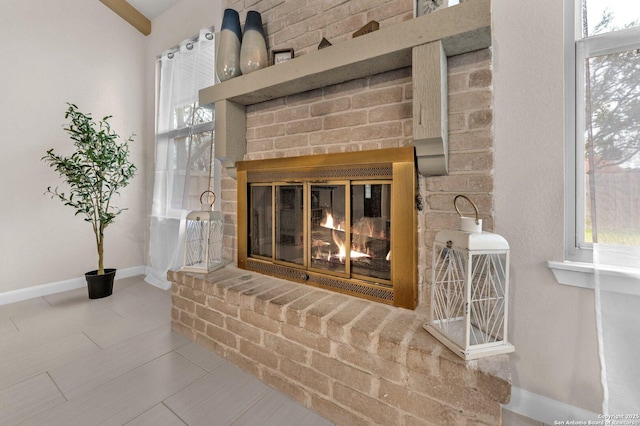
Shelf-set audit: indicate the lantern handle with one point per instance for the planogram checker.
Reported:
(214, 197)
(472, 203)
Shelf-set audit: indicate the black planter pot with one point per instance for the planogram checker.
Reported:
(100, 286)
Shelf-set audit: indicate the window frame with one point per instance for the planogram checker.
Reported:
(577, 50)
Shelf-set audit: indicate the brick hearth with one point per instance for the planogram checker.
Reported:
(353, 361)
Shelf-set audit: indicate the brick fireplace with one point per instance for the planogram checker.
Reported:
(354, 361)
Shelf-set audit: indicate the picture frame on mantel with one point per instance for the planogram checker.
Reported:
(281, 55)
(424, 7)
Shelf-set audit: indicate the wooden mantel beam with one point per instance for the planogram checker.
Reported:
(129, 14)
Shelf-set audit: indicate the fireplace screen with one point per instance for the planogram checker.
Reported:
(349, 228)
(348, 225)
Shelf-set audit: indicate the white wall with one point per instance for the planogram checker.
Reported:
(53, 52)
(551, 326)
(76, 51)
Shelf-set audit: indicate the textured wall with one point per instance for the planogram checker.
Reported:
(553, 325)
(72, 51)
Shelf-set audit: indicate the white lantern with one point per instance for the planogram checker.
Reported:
(470, 289)
(203, 239)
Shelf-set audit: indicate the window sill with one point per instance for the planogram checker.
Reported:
(612, 278)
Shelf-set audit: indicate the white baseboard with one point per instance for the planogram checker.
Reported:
(546, 410)
(60, 286)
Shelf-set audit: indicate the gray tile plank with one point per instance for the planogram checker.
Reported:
(69, 298)
(509, 418)
(81, 375)
(202, 357)
(76, 315)
(32, 396)
(276, 409)
(29, 306)
(120, 329)
(155, 295)
(159, 415)
(218, 398)
(7, 327)
(28, 354)
(126, 397)
(132, 300)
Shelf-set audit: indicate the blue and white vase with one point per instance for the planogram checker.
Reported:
(228, 56)
(253, 53)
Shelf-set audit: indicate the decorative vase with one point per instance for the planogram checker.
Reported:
(253, 53)
(228, 56)
(100, 286)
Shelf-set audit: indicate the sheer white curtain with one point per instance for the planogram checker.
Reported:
(618, 326)
(184, 165)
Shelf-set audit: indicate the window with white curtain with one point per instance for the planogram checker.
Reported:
(603, 131)
(602, 206)
(184, 163)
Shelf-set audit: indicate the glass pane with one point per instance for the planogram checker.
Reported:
(191, 115)
(612, 146)
(610, 15)
(371, 230)
(328, 235)
(290, 224)
(260, 223)
(192, 163)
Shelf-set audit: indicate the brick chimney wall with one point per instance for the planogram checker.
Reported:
(351, 360)
(371, 113)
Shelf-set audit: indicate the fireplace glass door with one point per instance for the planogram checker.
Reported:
(261, 225)
(290, 228)
(371, 230)
(340, 228)
(329, 232)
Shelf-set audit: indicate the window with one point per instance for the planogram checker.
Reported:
(187, 147)
(184, 166)
(603, 130)
(185, 131)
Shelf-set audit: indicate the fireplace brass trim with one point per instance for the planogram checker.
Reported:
(378, 293)
(397, 164)
(320, 174)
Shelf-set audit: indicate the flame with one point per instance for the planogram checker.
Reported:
(361, 230)
(328, 222)
(342, 251)
(358, 255)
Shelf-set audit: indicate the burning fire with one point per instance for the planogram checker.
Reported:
(359, 250)
(342, 251)
(327, 222)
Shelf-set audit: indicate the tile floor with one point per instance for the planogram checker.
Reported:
(67, 360)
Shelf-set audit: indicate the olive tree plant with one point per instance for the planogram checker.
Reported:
(94, 173)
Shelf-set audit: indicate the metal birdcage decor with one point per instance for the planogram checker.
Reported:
(469, 289)
(203, 239)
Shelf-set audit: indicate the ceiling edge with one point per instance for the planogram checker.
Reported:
(129, 14)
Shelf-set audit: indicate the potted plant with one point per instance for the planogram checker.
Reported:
(95, 172)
